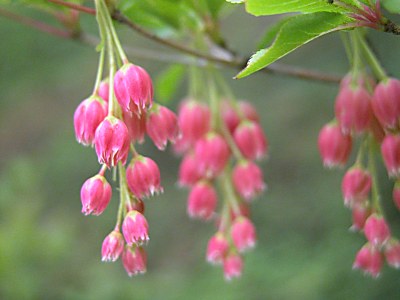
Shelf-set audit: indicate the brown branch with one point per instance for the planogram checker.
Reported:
(235, 62)
(35, 24)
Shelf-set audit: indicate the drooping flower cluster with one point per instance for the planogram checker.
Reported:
(372, 113)
(117, 116)
(211, 141)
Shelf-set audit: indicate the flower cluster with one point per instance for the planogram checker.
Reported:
(116, 117)
(220, 146)
(370, 112)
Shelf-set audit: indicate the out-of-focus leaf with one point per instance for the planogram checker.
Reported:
(214, 7)
(167, 83)
(297, 31)
(272, 7)
(392, 5)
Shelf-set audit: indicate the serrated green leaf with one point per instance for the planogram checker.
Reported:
(167, 83)
(297, 31)
(273, 7)
(392, 5)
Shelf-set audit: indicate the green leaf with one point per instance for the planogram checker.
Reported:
(392, 5)
(273, 7)
(297, 31)
(167, 83)
(271, 33)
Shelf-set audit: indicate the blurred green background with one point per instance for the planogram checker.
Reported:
(49, 250)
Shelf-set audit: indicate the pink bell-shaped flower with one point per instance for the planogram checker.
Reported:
(89, 114)
(251, 140)
(390, 149)
(243, 234)
(356, 185)
(112, 247)
(143, 177)
(376, 230)
(133, 88)
(136, 125)
(386, 103)
(217, 248)
(95, 195)
(248, 179)
(202, 201)
(134, 260)
(135, 228)
(369, 259)
(112, 142)
(233, 266)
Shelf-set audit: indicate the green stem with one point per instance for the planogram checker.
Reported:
(347, 47)
(214, 101)
(229, 191)
(372, 60)
(372, 169)
(357, 65)
(361, 152)
(124, 195)
(114, 35)
(99, 71)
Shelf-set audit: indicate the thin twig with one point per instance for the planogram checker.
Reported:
(35, 24)
(235, 62)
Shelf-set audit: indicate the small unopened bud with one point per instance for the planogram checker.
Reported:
(95, 195)
(134, 260)
(143, 177)
(112, 247)
(334, 146)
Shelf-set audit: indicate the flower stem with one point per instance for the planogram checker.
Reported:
(372, 59)
(372, 169)
(99, 71)
(124, 195)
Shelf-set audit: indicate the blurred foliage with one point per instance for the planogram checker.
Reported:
(49, 250)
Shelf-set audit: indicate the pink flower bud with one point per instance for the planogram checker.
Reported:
(392, 253)
(369, 260)
(233, 266)
(243, 234)
(143, 177)
(95, 195)
(189, 171)
(353, 109)
(134, 260)
(376, 230)
(133, 88)
(248, 179)
(229, 115)
(390, 149)
(386, 103)
(217, 248)
(89, 114)
(356, 185)
(360, 214)
(104, 90)
(136, 125)
(112, 247)
(396, 194)
(162, 125)
(135, 228)
(249, 111)
(112, 142)
(212, 153)
(193, 120)
(250, 139)
(334, 146)
(202, 201)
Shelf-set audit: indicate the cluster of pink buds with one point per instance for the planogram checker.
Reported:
(117, 116)
(220, 147)
(370, 112)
